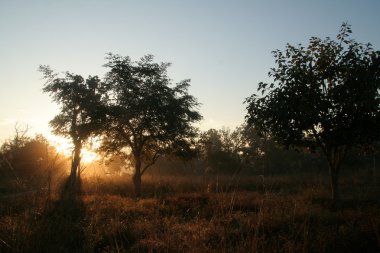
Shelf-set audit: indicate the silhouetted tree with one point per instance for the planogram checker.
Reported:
(221, 150)
(147, 116)
(325, 95)
(81, 110)
(249, 144)
(28, 161)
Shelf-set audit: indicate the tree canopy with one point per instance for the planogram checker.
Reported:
(148, 116)
(324, 95)
(80, 108)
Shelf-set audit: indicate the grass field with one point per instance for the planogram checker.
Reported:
(186, 214)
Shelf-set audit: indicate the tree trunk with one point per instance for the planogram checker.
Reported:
(374, 171)
(335, 157)
(137, 178)
(335, 196)
(75, 163)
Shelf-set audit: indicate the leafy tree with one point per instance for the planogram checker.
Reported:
(27, 161)
(324, 95)
(221, 150)
(147, 116)
(229, 151)
(250, 145)
(18, 140)
(81, 110)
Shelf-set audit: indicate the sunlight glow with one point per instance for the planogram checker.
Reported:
(65, 147)
(89, 156)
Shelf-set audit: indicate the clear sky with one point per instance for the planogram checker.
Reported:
(224, 47)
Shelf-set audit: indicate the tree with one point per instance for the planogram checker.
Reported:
(325, 95)
(28, 162)
(250, 145)
(222, 150)
(147, 116)
(81, 110)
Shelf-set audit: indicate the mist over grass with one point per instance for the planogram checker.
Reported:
(191, 214)
(280, 202)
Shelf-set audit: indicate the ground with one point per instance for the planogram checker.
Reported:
(182, 214)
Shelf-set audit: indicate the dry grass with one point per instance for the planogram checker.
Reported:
(277, 214)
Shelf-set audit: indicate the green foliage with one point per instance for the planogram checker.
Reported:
(147, 115)
(325, 94)
(81, 112)
(79, 100)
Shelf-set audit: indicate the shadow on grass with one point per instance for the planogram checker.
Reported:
(61, 227)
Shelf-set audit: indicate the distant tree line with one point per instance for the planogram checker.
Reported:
(243, 151)
(32, 163)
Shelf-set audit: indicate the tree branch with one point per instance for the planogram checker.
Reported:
(319, 141)
(153, 161)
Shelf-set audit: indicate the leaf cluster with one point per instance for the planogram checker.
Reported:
(145, 112)
(79, 101)
(325, 94)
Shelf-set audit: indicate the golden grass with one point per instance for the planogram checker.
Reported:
(277, 214)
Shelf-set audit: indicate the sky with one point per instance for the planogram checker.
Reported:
(224, 47)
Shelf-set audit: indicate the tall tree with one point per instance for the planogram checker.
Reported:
(324, 95)
(81, 110)
(147, 115)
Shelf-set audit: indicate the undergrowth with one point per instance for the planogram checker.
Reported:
(276, 214)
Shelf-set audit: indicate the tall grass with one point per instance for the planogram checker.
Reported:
(181, 214)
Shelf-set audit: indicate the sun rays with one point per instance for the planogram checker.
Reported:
(65, 147)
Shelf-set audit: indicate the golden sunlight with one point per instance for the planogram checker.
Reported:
(65, 147)
(89, 156)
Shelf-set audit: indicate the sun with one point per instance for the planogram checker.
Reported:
(62, 145)
(88, 156)
(65, 147)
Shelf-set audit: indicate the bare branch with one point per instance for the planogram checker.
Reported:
(152, 162)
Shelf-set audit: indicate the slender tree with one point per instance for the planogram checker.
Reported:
(148, 117)
(80, 109)
(324, 95)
